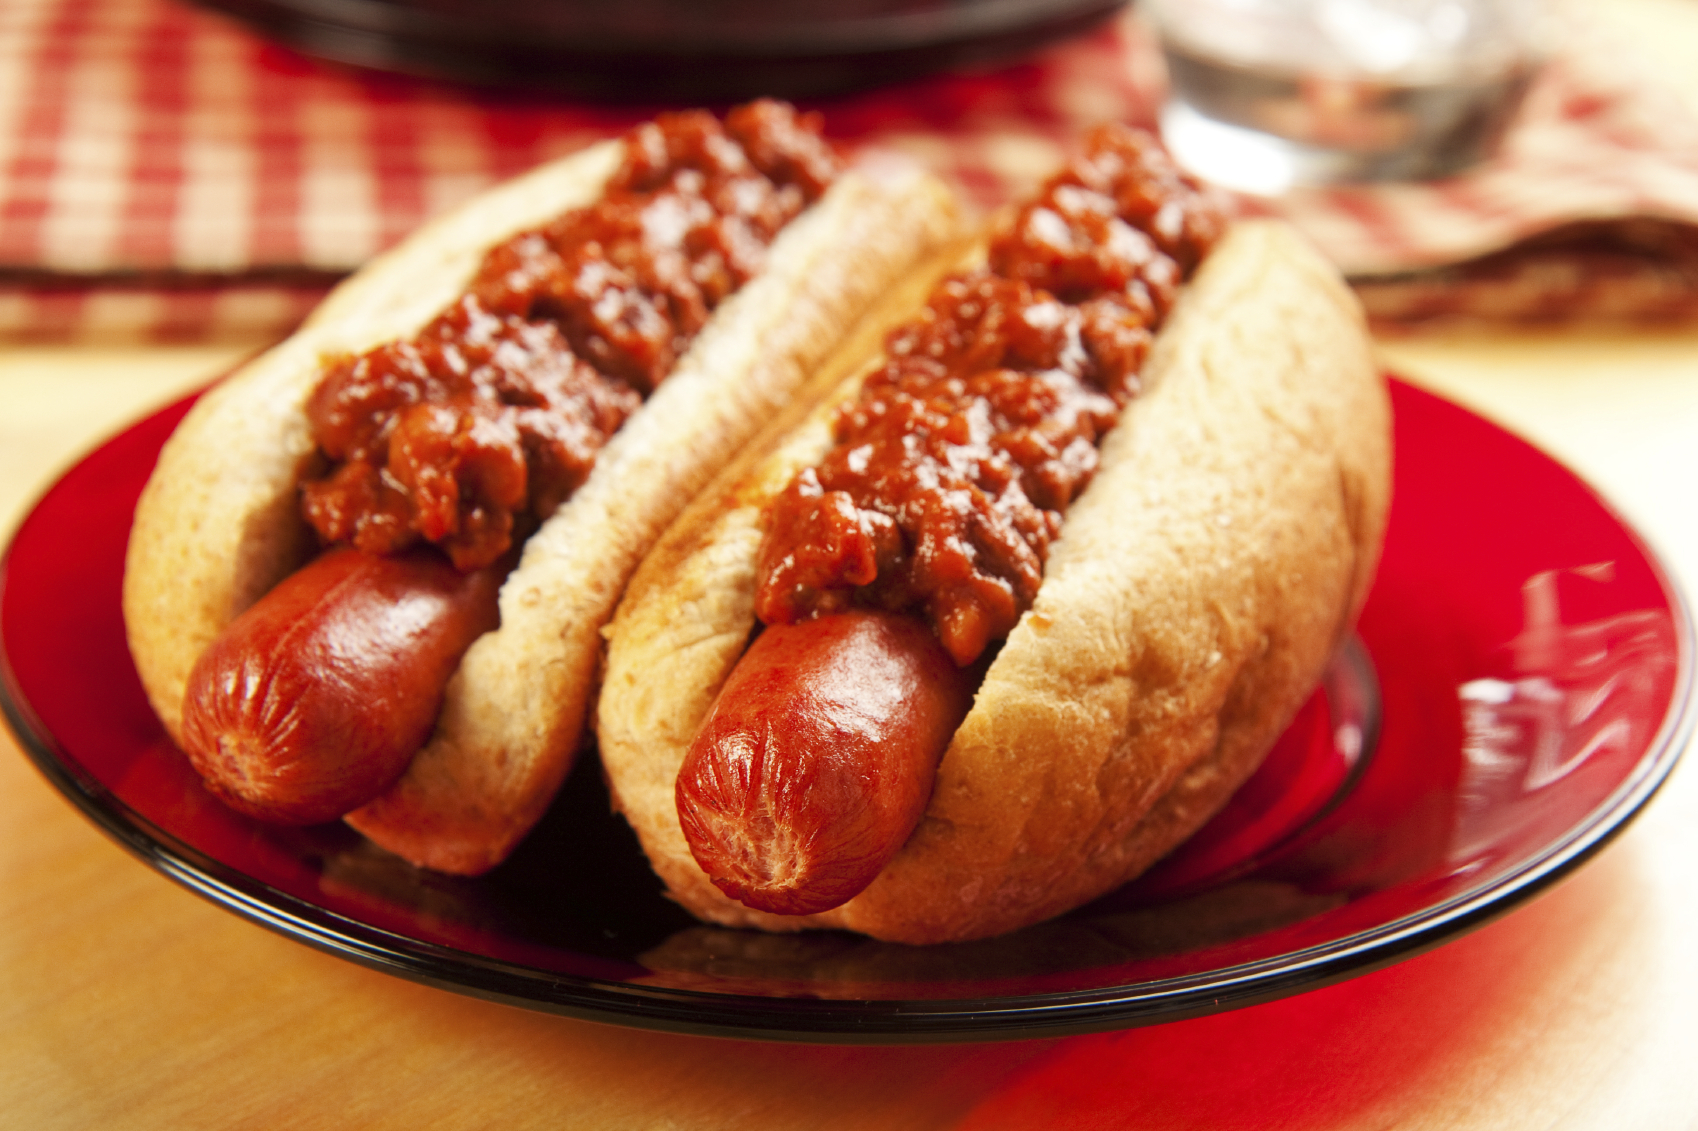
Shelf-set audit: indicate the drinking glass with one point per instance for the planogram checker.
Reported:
(1267, 94)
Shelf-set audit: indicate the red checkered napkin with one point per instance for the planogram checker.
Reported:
(166, 174)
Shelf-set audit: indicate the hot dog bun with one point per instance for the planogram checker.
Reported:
(218, 524)
(1198, 588)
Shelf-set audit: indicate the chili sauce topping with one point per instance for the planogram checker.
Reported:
(473, 431)
(951, 471)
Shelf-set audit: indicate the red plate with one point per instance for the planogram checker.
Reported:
(1534, 666)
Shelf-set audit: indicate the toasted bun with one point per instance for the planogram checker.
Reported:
(219, 524)
(1199, 586)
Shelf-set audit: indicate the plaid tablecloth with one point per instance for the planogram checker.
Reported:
(167, 174)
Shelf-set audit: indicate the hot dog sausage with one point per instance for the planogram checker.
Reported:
(1215, 546)
(945, 488)
(817, 760)
(276, 737)
(468, 435)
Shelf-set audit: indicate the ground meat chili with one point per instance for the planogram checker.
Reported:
(951, 471)
(478, 427)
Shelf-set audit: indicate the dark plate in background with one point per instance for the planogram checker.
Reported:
(667, 50)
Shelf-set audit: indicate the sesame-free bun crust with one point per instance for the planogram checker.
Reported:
(218, 523)
(1198, 588)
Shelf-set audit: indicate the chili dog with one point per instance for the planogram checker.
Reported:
(533, 383)
(1138, 658)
